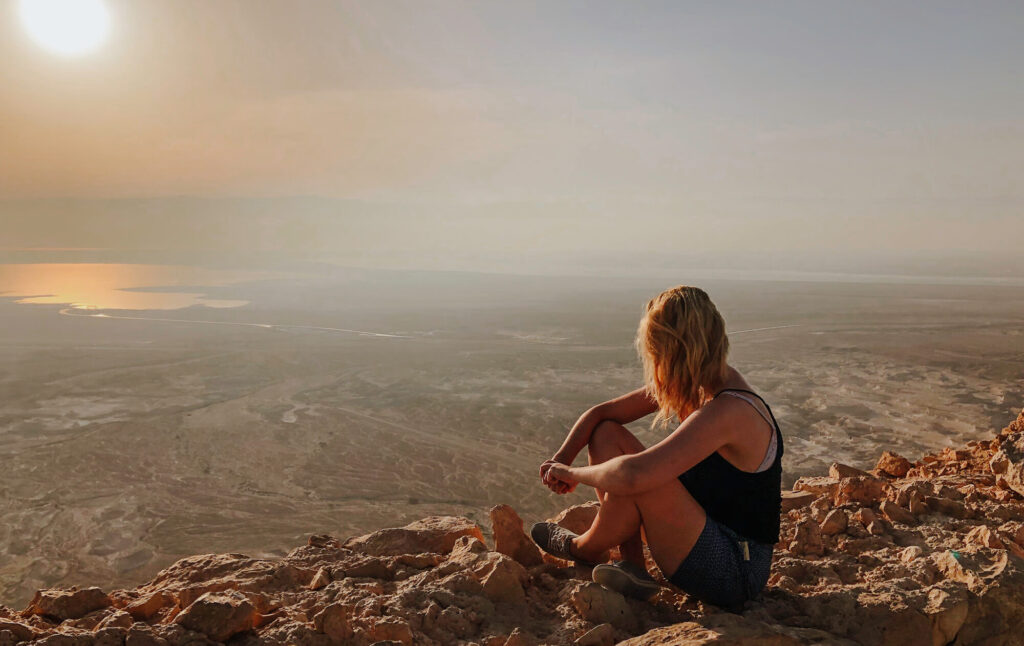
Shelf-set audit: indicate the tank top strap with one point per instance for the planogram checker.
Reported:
(774, 422)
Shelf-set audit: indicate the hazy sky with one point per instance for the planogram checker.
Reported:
(800, 132)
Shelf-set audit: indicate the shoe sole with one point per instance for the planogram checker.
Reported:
(621, 581)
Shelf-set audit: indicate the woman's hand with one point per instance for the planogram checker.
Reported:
(555, 476)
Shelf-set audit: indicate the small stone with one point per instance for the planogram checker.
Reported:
(893, 464)
(835, 522)
(838, 471)
(864, 490)
(897, 514)
(149, 605)
(333, 621)
(796, 499)
(910, 553)
(601, 605)
(320, 579)
(807, 539)
(602, 635)
(999, 463)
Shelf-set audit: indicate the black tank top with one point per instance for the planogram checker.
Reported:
(749, 504)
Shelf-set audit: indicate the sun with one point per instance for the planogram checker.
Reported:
(67, 27)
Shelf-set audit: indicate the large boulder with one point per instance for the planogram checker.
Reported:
(433, 534)
(72, 603)
(218, 615)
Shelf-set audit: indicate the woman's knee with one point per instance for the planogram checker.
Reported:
(610, 439)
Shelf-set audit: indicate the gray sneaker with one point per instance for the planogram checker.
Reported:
(627, 579)
(556, 541)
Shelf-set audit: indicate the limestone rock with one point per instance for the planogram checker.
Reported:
(601, 635)
(578, 518)
(433, 534)
(509, 537)
(862, 490)
(835, 522)
(72, 603)
(897, 514)
(893, 464)
(796, 499)
(838, 471)
(600, 605)
(218, 615)
(333, 621)
(721, 630)
(807, 539)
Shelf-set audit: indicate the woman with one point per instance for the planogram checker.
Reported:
(706, 499)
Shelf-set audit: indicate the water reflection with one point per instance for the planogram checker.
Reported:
(116, 285)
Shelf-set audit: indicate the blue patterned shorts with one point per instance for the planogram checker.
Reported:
(716, 572)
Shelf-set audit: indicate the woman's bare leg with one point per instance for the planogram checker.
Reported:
(609, 440)
(670, 517)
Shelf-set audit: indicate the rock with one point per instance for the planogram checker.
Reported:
(722, 630)
(141, 634)
(1012, 450)
(118, 618)
(149, 605)
(807, 539)
(58, 604)
(948, 507)
(578, 518)
(999, 463)
(601, 635)
(910, 553)
(838, 471)
(796, 499)
(218, 615)
(982, 536)
(433, 534)
(893, 464)
(835, 522)
(320, 579)
(110, 636)
(509, 537)
(862, 490)
(897, 514)
(501, 577)
(817, 485)
(19, 631)
(391, 630)
(600, 605)
(333, 621)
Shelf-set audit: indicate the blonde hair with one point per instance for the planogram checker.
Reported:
(683, 346)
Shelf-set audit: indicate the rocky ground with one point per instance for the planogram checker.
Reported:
(930, 552)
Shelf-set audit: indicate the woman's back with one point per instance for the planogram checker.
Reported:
(749, 503)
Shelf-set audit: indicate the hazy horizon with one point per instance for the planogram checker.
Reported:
(527, 137)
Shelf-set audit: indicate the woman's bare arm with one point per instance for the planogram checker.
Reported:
(701, 434)
(624, 409)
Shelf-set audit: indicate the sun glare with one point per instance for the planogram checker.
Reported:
(67, 27)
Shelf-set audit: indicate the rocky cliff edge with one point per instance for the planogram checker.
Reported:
(928, 553)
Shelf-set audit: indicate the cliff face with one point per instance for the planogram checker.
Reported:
(926, 553)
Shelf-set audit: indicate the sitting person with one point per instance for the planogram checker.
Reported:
(707, 498)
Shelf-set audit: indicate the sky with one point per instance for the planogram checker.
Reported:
(540, 136)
